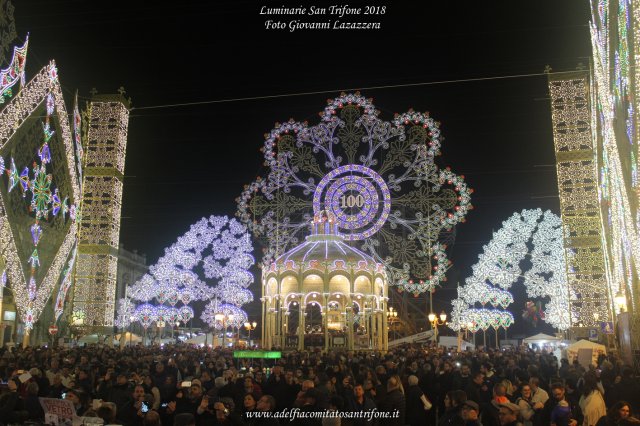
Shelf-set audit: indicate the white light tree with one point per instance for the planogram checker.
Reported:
(531, 235)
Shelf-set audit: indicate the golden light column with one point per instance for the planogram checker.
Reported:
(95, 289)
(579, 204)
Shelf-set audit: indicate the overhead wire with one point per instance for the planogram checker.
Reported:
(320, 92)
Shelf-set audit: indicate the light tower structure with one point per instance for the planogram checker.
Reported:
(99, 234)
(589, 293)
(602, 130)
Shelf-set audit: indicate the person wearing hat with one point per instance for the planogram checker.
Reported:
(509, 414)
(470, 412)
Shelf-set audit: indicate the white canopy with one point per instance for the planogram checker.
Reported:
(541, 338)
(200, 339)
(584, 346)
(89, 339)
(129, 337)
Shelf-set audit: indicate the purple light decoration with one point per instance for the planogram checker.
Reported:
(56, 202)
(33, 291)
(363, 182)
(45, 153)
(24, 179)
(36, 233)
(14, 177)
(51, 104)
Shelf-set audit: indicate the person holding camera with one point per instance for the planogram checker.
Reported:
(135, 408)
(224, 414)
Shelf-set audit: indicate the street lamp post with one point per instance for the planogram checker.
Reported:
(392, 316)
(250, 326)
(224, 318)
(435, 322)
(464, 328)
(620, 301)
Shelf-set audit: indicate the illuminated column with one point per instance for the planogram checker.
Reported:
(301, 325)
(99, 234)
(589, 297)
(385, 328)
(263, 325)
(325, 320)
(350, 335)
(281, 322)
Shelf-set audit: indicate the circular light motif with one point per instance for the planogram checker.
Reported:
(353, 193)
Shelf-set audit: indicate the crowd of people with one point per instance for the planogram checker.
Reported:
(409, 385)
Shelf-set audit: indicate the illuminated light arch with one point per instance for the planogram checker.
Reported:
(377, 178)
(217, 246)
(44, 194)
(499, 267)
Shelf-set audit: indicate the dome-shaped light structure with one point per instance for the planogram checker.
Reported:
(325, 273)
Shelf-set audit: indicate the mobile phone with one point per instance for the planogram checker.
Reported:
(186, 384)
(144, 407)
(164, 404)
(63, 395)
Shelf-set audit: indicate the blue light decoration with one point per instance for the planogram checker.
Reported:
(379, 179)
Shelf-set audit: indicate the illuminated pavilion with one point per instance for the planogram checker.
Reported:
(324, 294)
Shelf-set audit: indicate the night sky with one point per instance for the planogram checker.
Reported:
(184, 163)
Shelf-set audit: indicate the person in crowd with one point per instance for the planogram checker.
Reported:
(337, 372)
(592, 401)
(452, 415)
(526, 405)
(618, 415)
(394, 401)
(626, 387)
(107, 412)
(79, 399)
(444, 379)
(132, 411)
(32, 402)
(462, 377)
(249, 405)
(360, 402)
(266, 404)
(508, 414)
(151, 388)
(332, 417)
(558, 399)
(56, 389)
(54, 368)
(470, 413)
(417, 404)
(474, 388)
(151, 418)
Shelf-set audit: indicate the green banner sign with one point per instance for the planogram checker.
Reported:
(257, 354)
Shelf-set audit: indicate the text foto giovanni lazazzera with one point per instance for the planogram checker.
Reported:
(336, 17)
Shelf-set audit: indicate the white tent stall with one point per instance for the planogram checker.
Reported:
(586, 352)
(542, 339)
